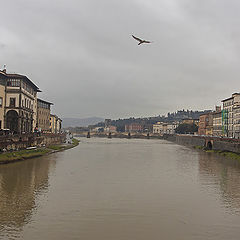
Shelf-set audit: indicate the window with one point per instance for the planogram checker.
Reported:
(1, 101)
(12, 102)
(13, 83)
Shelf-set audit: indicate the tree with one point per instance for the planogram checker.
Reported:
(101, 130)
(121, 128)
(186, 128)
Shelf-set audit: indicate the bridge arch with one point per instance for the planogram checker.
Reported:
(209, 145)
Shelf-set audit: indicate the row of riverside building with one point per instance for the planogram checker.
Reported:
(21, 111)
(224, 121)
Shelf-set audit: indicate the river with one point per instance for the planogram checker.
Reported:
(121, 189)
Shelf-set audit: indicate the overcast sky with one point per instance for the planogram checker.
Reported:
(82, 56)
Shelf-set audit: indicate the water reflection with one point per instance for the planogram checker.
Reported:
(20, 185)
(121, 189)
(224, 173)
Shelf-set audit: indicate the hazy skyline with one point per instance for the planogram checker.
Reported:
(82, 56)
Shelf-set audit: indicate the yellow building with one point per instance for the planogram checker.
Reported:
(43, 115)
(2, 100)
(55, 124)
(164, 128)
(19, 103)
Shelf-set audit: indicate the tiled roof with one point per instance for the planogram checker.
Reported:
(19, 76)
(40, 100)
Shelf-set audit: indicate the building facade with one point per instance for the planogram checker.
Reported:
(229, 105)
(43, 115)
(190, 121)
(110, 129)
(19, 103)
(164, 128)
(206, 124)
(236, 120)
(157, 128)
(55, 124)
(134, 127)
(2, 100)
(217, 123)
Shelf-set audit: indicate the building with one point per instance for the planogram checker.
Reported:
(157, 128)
(110, 128)
(43, 115)
(236, 120)
(134, 127)
(55, 124)
(19, 102)
(164, 128)
(217, 122)
(229, 104)
(209, 127)
(206, 124)
(59, 125)
(2, 99)
(190, 121)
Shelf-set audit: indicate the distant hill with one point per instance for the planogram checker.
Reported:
(80, 122)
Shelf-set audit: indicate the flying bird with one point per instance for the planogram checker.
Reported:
(140, 40)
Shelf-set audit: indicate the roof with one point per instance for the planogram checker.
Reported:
(206, 114)
(40, 100)
(217, 112)
(227, 99)
(53, 115)
(233, 95)
(19, 76)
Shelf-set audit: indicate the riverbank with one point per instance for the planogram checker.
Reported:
(10, 157)
(226, 147)
(232, 155)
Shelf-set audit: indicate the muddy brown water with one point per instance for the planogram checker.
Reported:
(121, 189)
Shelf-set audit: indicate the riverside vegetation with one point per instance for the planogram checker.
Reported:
(20, 155)
(227, 154)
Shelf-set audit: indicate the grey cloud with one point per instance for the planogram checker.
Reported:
(81, 54)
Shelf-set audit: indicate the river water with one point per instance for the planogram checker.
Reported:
(121, 189)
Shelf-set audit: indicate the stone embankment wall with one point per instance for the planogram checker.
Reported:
(232, 145)
(15, 142)
(214, 143)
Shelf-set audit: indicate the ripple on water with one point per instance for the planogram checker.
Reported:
(121, 189)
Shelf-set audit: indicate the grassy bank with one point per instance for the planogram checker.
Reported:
(231, 155)
(227, 154)
(20, 155)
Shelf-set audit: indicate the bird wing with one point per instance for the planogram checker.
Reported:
(138, 39)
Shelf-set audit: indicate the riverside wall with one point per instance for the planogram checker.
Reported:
(213, 143)
(16, 142)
